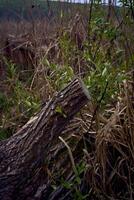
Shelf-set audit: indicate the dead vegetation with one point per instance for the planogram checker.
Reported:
(102, 135)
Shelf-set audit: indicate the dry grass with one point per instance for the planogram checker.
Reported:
(106, 135)
(115, 149)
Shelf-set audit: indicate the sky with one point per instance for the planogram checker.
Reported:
(87, 1)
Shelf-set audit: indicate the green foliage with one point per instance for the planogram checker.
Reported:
(103, 63)
(104, 76)
(74, 185)
(4, 133)
(60, 111)
(61, 75)
(107, 69)
(3, 101)
(68, 48)
(17, 104)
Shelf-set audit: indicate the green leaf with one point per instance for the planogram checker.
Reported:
(59, 110)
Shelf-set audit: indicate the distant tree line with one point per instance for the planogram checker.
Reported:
(23, 9)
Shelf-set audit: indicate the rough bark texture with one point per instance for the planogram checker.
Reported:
(24, 158)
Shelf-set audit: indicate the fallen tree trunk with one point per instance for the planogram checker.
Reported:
(24, 156)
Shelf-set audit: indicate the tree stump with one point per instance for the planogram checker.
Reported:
(24, 156)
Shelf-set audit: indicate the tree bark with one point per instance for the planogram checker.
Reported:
(24, 157)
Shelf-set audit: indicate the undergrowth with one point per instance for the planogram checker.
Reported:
(99, 49)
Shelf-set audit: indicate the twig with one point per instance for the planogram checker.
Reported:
(70, 154)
